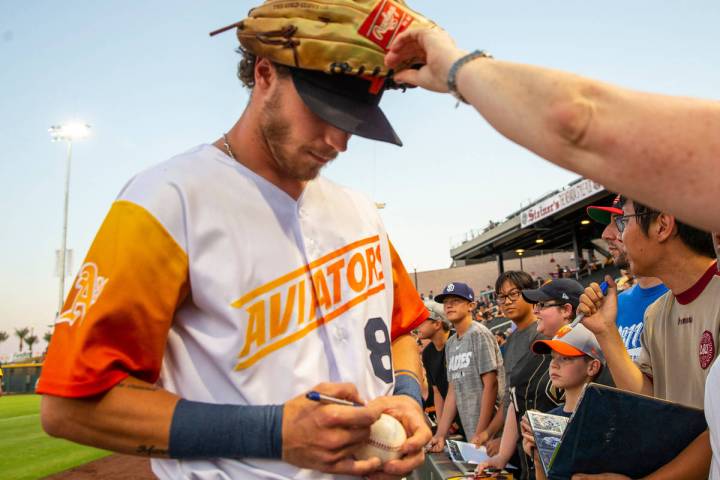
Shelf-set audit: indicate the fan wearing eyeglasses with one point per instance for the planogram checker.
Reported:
(554, 304)
(680, 338)
(633, 302)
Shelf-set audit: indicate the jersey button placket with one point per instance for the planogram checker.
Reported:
(306, 231)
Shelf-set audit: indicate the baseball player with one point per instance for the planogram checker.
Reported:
(230, 280)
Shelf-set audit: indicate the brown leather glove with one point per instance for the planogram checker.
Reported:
(333, 36)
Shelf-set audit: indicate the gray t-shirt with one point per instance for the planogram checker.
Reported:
(517, 348)
(520, 362)
(468, 357)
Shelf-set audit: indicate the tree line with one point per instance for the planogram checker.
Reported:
(26, 337)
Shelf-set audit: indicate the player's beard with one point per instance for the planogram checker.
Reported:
(277, 132)
(621, 261)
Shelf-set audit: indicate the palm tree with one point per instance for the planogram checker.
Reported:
(3, 336)
(21, 333)
(47, 337)
(30, 341)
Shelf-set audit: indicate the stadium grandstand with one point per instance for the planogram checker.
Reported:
(549, 238)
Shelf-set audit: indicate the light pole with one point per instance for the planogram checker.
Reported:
(520, 252)
(66, 133)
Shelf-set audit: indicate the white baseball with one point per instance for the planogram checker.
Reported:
(387, 435)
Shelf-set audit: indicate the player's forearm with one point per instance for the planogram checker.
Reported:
(134, 417)
(692, 463)
(593, 128)
(408, 369)
(625, 373)
(405, 356)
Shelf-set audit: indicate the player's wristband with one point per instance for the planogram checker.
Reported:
(208, 430)
(406, 383)
(455, 68)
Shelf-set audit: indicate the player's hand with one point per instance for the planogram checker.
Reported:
(431, 47)
(480, 438)
(323, 437)
(437, 444)
(600, 310)
(409, 413)
(528, 439)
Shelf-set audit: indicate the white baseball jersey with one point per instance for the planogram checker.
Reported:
(212, 281)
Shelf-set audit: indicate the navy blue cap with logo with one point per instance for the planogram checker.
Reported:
(456, 289)
(564, 290)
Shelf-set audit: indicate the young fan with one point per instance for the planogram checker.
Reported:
(576, 361)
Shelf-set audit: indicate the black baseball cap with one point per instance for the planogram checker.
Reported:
(456, 289)
(564, 290)
(346, 102)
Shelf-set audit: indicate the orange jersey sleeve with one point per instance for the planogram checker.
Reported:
(120, 307)
(408, 309)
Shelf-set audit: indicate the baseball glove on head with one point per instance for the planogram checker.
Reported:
(347, 39)
(331, 36)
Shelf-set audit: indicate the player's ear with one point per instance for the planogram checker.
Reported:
(265, 74)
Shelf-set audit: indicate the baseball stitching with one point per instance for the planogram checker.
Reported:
(382, 446)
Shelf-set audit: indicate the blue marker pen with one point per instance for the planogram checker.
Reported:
(319, 397)
(580, 316)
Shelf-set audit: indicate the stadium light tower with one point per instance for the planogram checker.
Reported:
(68, 133)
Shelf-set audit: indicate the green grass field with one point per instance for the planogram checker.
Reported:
(26, 452)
